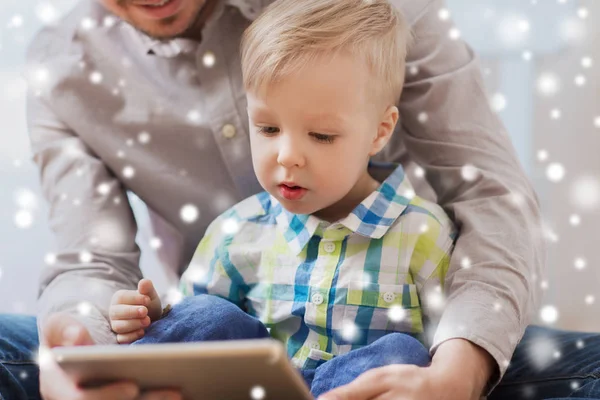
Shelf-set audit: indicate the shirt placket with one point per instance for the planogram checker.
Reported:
(221, 111)
(321, 281)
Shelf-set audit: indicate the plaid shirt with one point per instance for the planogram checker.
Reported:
(327, 288)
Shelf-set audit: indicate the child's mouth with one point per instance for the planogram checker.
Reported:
(291, 192)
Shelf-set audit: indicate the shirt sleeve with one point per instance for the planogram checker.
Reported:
(447, 123)
(92, 223)
(211, 270)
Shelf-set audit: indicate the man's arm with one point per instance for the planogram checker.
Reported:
(96, 254)
(447, 123)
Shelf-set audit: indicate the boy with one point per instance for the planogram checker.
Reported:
(329, 258)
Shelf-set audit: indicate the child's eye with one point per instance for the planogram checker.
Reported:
(323, 138)
(268, 130)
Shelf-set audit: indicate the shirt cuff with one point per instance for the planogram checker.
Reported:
(497, 332)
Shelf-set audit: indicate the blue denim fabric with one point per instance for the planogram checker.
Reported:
(523, 380)
(19, 373)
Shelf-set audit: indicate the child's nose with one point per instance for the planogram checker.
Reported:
(290, 154)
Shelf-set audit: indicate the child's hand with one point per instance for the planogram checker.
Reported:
(131, 311)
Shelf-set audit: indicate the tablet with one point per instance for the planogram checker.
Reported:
(256, 369)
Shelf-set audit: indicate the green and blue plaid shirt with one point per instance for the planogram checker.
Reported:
(327, 288)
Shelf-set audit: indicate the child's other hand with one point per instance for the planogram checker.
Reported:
(131, 311)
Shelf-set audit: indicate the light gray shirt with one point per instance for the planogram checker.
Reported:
(110, 110)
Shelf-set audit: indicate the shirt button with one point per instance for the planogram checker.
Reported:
(315, 345)
(228, 131)
(317, 298)
(389, 297)
(329, 247)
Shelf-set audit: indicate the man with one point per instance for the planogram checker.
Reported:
(146, 96)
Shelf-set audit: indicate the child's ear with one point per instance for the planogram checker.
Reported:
(385, 129)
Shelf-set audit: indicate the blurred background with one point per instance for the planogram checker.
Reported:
(541, 65)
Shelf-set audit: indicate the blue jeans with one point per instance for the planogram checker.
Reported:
(214, 318)
(573, 375)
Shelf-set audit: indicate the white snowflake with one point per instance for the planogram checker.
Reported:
(396, 313)
(586, 62)
(575, 220)
(549, 314)
(85, 256)
(45, 358)
(454, 34)
(103, 189)
(349, 331)
(50, 259)
(155, 243)
(23, 219)
(498, 102)
(16, 21)
(555, 114)
(589, 299)
(580, 80)
(580, 344)
(469, 172)
(540, 352)
(96, 77)
(189, 213)
(87, 23)
(109, 21)
(548, 84)
(465, 263)
(419, 172)
(46, 12)
(84, 308)
(423, 117)
(230, 226)
(444, 14)
(194, 116)
(597, 122)
(527, 55)
(555, 172)
(144, 137)
(580, 263)
(209, 59)
(26, 199)
(542, 155)
(585, 193)
(257, 393)
(174, 296)
(128, 172)
(583, 12)
(572, 30)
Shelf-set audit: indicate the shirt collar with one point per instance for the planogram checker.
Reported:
(372, 218)
(250, 9)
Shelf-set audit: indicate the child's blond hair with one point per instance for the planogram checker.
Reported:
(291, 33)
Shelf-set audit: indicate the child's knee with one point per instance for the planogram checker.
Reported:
(401, 348)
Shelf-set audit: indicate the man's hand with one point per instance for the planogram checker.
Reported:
(64, 330)
(460, 371)
(131, 311)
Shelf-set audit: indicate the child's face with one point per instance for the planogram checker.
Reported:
(316, 130)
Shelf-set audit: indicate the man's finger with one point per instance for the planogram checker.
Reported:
(62, 329)
(162, 395)
(117, 391)
(146, 287)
